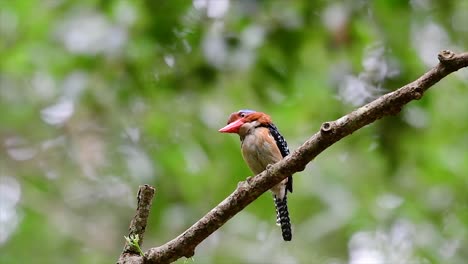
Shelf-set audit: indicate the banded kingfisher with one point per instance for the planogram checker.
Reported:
(262, 145)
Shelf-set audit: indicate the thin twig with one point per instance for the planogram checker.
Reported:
(137, 226)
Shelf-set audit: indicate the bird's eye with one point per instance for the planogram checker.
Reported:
(242, 114)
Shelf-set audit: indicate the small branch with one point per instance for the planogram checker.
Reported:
(132, 253)
(247, 191)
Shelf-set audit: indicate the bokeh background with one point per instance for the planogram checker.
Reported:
(98, 97)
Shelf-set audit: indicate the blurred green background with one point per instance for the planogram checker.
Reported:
(98, 97)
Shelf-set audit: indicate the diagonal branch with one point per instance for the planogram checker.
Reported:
(330, 132)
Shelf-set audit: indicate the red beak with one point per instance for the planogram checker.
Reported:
(232, 127)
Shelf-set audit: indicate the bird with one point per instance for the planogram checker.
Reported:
(263, 145)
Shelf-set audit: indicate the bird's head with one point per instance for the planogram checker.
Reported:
(242, 121)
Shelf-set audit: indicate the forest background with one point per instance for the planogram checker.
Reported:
(99, 97)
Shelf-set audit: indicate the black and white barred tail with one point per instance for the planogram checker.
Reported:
(282, 217)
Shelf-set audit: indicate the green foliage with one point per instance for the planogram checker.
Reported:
(98, 97)
(133, 241)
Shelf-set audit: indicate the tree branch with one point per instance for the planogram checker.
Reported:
(131, 253)
(330, 132)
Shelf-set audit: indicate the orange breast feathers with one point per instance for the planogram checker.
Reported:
(259, 149)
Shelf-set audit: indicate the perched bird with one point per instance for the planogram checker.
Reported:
(262, 144)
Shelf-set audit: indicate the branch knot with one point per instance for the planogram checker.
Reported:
(418, 93)
(445, 55)
(326, 127)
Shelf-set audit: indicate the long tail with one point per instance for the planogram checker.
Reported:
(282, 217)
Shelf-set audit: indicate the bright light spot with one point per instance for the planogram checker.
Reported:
(138, 163)
(218, 54)
(82, 194)
(138, 106)
(217, 8)
(22, 154)
(200, 4)
(59, 113)
(169, 60)
(211, 115)
(43, 84)
(357, 90)
(133, 133)
(91, 34)
(125, 13)
(366, 255)
(214, 8)
(335, 16)
(449, 248)
(241, 58)
(416, 117)
(421, 5)
(195, 158)
(389, 201)
(74, 84)
(18, 150)
(10, 194)
(428, 40)
(214, 47)
(376, 66)
(392, 246)
(253, 36)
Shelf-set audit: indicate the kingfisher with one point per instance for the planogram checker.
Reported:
(262, 145)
